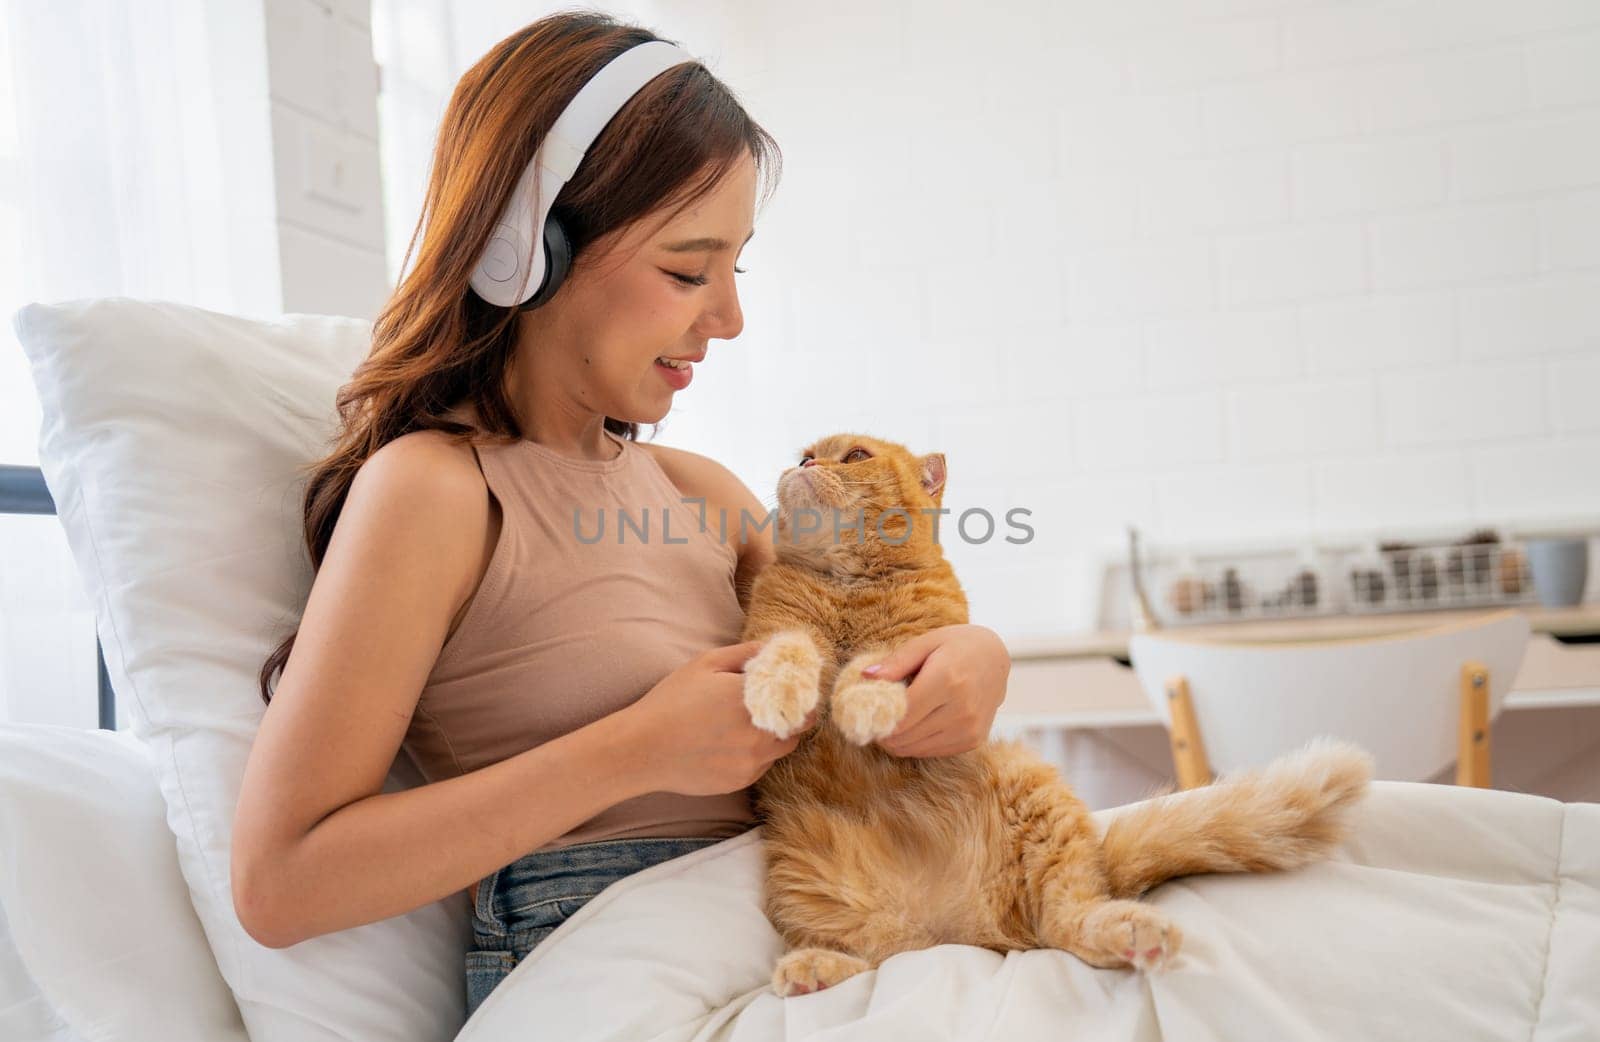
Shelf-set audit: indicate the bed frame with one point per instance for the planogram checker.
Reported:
(23, 491)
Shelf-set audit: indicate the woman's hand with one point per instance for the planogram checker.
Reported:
(695, 734)
(960, 682)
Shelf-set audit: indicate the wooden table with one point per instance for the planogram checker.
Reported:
(1083, 681)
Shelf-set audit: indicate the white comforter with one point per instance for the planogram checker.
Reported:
(1451, 914)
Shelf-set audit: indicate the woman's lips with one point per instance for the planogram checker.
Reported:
(677, 377)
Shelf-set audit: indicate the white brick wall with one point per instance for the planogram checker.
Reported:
(1328, 267)
(1223, 268)
(323, 91)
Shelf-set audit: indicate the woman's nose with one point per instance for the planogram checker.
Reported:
(725, 321)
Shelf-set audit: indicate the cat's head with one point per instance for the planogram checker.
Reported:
(854, 503)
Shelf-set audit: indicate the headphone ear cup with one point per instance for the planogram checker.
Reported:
(557, 259)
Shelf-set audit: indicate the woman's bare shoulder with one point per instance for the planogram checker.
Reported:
(425, 463)
(427, 485)
(696, 475)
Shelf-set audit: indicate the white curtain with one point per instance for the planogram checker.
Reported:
(110, 184)
(113, 154)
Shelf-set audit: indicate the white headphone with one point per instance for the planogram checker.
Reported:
(528, 252)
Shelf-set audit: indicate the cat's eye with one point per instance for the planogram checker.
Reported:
(857, 455)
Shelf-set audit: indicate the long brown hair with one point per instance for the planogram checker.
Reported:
(435, 343)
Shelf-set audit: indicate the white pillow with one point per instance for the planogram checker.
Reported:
(101, 928)
(172, 442)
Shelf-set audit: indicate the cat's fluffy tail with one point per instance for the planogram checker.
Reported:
(1284, 815)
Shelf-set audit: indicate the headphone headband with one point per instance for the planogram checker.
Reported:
(528, 252)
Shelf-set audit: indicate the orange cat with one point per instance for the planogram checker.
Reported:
(869, 854)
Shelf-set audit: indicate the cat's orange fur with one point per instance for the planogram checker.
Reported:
(870, 854)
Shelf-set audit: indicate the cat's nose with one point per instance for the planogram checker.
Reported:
(808, 463)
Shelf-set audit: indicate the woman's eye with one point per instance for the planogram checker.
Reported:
(857, 455)
(697, 280)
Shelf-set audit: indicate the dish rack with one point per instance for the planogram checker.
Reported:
(1197, 588)
(1477, 572)
(1235, 587)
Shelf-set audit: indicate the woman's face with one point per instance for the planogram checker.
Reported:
(636, 297)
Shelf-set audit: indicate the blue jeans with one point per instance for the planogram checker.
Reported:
(522, 904)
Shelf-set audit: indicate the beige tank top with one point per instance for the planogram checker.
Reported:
(600, 584)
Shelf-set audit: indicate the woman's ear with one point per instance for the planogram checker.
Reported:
(933, 474)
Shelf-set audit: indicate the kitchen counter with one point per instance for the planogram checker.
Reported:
(1081, 681)
(1579, 621)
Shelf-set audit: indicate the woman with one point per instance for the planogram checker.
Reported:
(573, 703)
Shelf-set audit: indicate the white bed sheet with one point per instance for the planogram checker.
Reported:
(1452, 914)
(26, 1013)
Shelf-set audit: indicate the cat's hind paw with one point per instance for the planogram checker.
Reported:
(1135, 934)
(806, 970)
(783, 682)
(868, 710)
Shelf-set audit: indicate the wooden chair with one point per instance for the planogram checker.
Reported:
(1417, 700)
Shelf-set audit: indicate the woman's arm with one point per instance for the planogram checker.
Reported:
(317, 846)
(951, 701)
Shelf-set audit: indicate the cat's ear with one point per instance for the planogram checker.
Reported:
(933, 474)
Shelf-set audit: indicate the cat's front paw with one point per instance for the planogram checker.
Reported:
(806, 970)
(783, 682)
(868, 710)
